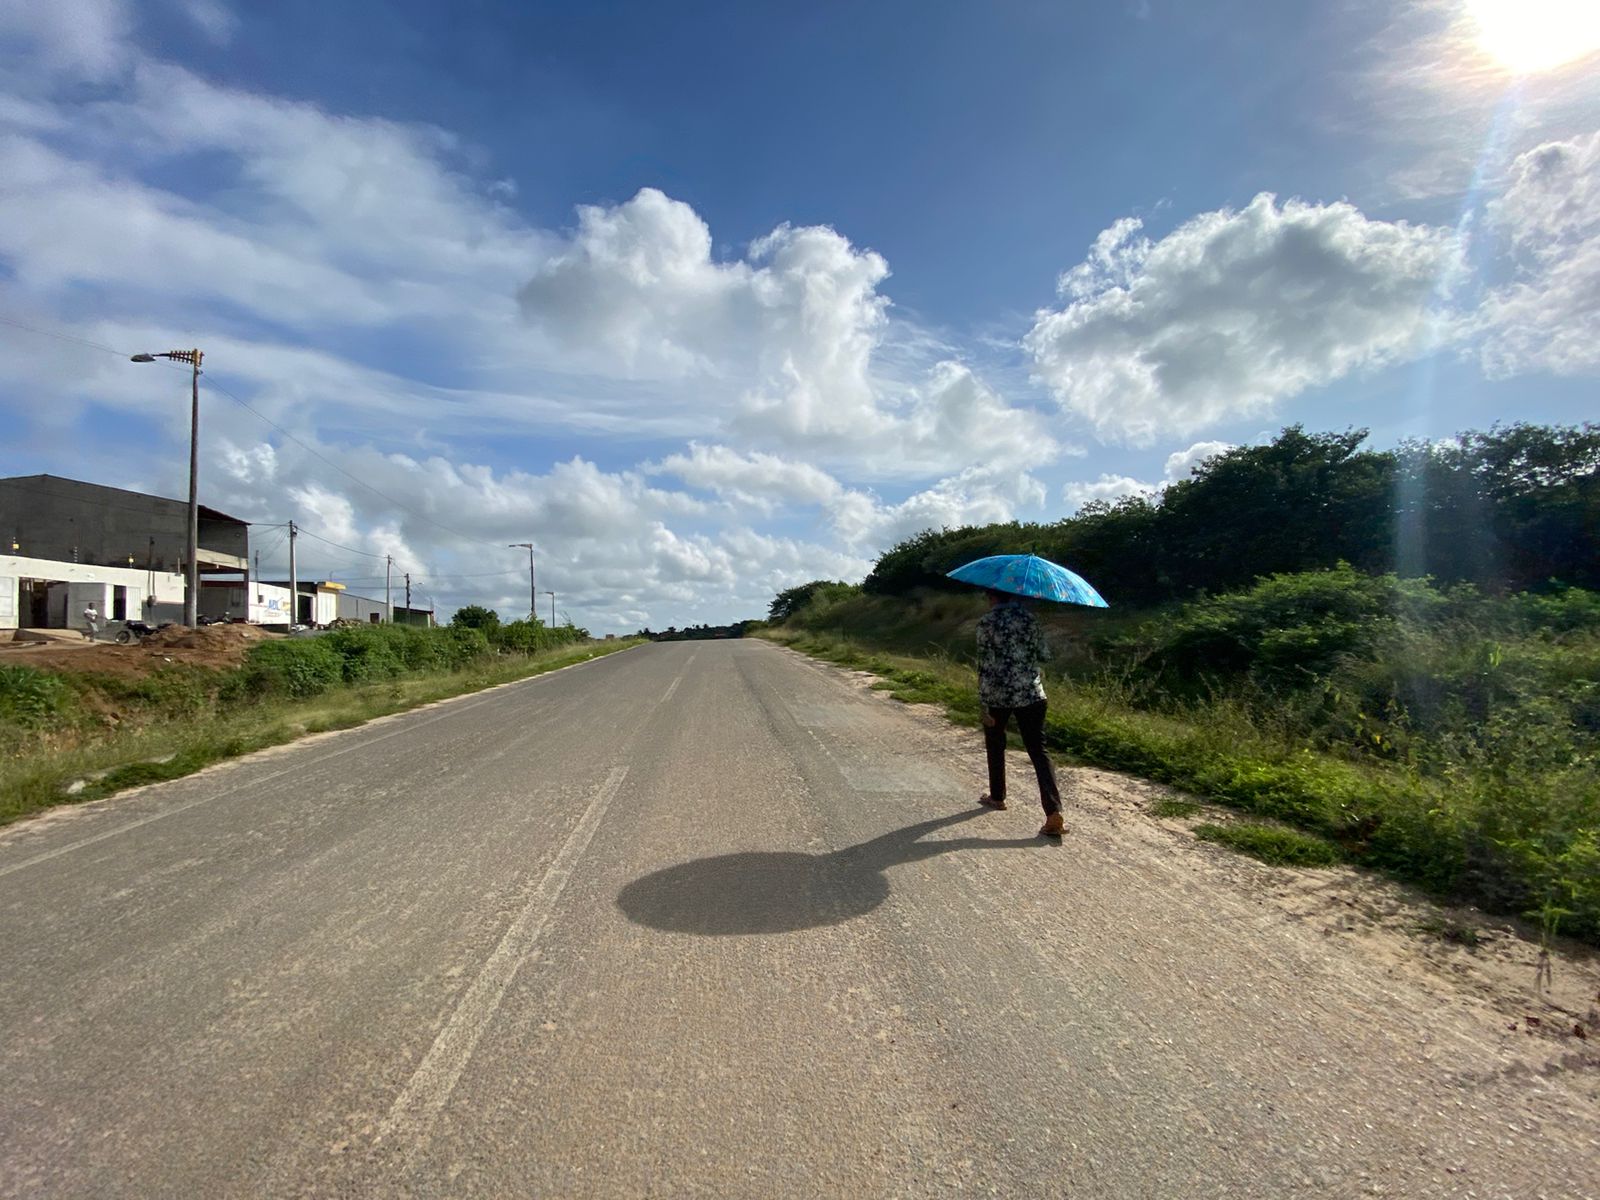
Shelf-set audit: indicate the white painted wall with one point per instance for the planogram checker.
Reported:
(152, 595)
(261, 604)
(325, 608)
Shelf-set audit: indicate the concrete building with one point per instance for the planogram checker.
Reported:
(68, 521)
(38, 593)
(359, 608)
(253, 601)
(319, 600)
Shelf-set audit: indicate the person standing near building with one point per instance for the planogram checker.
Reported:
(91, 620)
(1011, 647)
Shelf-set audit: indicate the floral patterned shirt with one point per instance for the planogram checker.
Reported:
(1010, 648)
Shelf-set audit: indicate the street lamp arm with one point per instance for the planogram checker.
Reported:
(191, 589)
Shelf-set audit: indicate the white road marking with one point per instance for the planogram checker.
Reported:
(409, 727)
(412, 1115)
(673, 686)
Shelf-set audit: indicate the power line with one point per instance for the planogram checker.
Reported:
(336, 545)
(387, 499)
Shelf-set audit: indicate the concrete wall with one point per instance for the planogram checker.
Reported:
(61, 589)
(69, 521)
(318, 605)
(258, 603)
(359, 608)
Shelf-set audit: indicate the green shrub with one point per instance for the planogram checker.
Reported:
(34, 699)
(369, 652)
(528, 637)
(463, 646)
(296, 667)
(476, 616)
(1271, 844)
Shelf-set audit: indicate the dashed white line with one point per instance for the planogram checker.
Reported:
(411, 1117)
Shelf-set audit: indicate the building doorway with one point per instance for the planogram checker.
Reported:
(35, 603)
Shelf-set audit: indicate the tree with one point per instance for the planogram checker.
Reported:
(476, 616)
(790, 601)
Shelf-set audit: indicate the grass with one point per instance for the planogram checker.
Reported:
(1515, 842)
(1274, 844)
(172, 741)
(1171, 809)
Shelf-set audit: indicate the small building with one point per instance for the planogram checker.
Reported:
(253, 601)
(38, 593)
(318, 600)
(359, 608)
(66, 520)
(71, 542)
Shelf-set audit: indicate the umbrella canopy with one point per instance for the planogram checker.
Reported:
(1029, 575)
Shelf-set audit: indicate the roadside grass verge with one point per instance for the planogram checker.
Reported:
(63, 753)
(1274, 844)
(1509, 841)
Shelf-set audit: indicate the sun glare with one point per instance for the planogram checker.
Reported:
(1526, 36)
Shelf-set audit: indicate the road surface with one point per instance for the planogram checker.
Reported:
(711, 919)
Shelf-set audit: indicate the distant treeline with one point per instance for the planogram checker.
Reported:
(1513, 509)
(695, 632)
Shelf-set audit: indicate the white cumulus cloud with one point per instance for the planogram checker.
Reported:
(784, 348)
(1181, 463)
(1110, 487)
(1232, 312)
(1548, 317)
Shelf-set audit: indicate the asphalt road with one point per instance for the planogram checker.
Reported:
(698, 919)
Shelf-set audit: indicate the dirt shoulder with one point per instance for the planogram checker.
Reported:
(1540, 1008)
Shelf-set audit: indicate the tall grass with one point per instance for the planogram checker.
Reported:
(1448, 738)
(93, 735)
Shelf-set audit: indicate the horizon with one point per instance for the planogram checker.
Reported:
(707, 305)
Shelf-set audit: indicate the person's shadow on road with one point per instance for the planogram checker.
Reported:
(780, 892)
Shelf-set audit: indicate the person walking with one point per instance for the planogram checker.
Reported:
(1011, 647)
(91, 621)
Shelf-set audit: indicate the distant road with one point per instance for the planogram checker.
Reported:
(709, 919)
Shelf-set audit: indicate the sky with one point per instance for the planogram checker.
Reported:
(708, 300)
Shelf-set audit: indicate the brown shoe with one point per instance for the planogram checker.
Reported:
(1054, 826)
(989, 801)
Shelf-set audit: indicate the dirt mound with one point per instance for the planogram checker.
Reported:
(216, 646)
(214, 638)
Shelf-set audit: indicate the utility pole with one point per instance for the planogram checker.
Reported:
(408, 597)
(533, 590)
(294, 581)
(552, 596)
(388, 566)
(191, 590)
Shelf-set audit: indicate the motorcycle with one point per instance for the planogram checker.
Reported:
(137, 629)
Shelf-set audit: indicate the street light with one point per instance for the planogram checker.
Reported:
(552, 596)
(191, 583)
(533, 592)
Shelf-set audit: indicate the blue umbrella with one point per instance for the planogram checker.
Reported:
(1029, 575)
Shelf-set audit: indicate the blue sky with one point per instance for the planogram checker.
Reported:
(707, 300)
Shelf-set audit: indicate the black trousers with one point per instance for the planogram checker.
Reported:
(1030, 723)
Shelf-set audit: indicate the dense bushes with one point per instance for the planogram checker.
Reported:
(296, 668)
(33, 699)
(1509, 510)
(301, 667)
(1447, 735)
